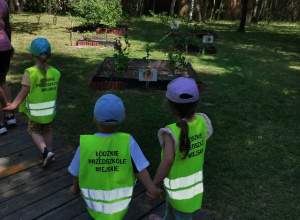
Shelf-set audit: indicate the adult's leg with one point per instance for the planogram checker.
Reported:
(4, 68)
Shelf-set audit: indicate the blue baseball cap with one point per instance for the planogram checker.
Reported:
(109, 110)
(182, 90)
(40, 45)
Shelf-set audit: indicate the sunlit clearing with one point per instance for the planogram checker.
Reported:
(295, 67)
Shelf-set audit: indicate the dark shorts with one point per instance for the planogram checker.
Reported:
(34, 127)
(5, 57)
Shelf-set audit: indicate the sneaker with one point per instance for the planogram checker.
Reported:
(3, 129)
(154, 217)
(10, 119)
(48, 159)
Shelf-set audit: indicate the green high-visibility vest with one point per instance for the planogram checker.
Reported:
(40, 103)
(106, 176)
(184, 184)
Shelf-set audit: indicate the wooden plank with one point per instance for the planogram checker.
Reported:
(31, 184)
(24, 159)
(72, 209)
(43, 206)
(15, 145)
(22, 143)
(84, 215)
(136, 210)
(14, 131)
(20, 133)
(33, 173)
(140, 205)
(158, 210)
(33, 201)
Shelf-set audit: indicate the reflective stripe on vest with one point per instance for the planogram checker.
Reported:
(42, 112)
(42, 109)
(183, 181)
(107, 195)
(107, 208)
(186, 193)
(42, 105)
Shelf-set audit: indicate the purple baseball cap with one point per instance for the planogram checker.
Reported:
(40, 45)
(109, 110)
(182, 90)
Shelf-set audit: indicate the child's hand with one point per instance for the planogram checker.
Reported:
(8, 107)
(155, 194)
(75, 191)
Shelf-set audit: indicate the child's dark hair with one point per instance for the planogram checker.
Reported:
(184, 111)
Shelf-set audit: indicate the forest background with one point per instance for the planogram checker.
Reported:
(198, 10)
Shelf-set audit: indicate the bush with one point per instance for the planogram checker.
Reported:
(88, 13)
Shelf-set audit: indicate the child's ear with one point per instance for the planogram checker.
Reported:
(94, 120)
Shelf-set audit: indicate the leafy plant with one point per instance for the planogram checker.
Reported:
(121, 61)
(87, 35)
(112, 11)
(162, 17)
(145, 58)
(176, 62)
(86, 12)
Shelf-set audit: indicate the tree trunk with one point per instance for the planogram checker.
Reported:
(49, 6)
(212, 10)
(243, 16)
(263, 5)
(192, 9)
(199, 3)
(220, 10)
(17, 6)
(254, 13)
(205, 9)
(172, 8)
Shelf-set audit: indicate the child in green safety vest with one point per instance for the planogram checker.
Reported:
(183, 147)
(37, 98)
(107, 163)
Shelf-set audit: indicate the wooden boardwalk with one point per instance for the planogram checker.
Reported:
(27, 191)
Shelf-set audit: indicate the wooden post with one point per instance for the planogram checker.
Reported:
(71, 33)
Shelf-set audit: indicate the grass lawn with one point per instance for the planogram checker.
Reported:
(251, 94)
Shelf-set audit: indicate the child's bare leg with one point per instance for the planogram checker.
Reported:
(39, 141)
(41, 144)
(48, 137)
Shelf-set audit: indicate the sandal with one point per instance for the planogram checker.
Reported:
(154, 217)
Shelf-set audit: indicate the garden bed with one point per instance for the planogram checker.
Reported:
(107, 78)
(97, 41)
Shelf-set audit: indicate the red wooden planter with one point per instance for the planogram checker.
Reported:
(111, 85)
(87, 43)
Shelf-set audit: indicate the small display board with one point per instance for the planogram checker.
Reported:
(174, 25)
(208, 39)
(147, 75)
